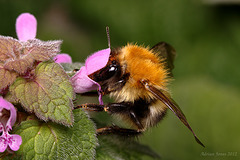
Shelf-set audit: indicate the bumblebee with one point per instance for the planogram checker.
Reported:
(137, 78)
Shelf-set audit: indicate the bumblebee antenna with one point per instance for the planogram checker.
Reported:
(108, 36)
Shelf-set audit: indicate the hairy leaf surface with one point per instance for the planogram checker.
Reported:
(50, 141)
(49, 95)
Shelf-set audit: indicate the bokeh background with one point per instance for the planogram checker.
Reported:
(206, 36)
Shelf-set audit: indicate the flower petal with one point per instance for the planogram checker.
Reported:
(63, 58)
(14, 141)
(3, 144)
(82, 83)
(97, 61)
(4, 104)
(100, 97)
(1, 127)
(13, 114)
(26, 27)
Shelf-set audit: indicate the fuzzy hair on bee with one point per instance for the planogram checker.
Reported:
(140, 63)
(137, 78)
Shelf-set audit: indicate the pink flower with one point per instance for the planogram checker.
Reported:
(26, 28)
(81, 82)
(7, 119)
(62, 58)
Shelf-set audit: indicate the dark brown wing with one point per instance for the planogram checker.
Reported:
(166, 52)
(171, 105)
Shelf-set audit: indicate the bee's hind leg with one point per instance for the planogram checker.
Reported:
(118, 131)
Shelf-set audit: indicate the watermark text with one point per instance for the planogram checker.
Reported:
(219, 154)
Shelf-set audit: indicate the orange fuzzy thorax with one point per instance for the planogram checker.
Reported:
(141, 63)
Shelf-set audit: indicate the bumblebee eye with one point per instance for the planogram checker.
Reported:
(112, 69)
(106, 73)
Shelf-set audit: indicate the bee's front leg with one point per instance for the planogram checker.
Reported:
(111, 108)
(123, 108)
(92, 107)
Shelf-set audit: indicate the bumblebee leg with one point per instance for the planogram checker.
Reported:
(110, 108)
(89, 94)
(92, 107)
(117, 130)
(124, 108)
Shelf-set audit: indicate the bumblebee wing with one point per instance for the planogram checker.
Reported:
(167, 53)
(172, 105)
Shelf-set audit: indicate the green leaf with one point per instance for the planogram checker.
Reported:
(6, 78)
(71, 68)
(116, 147)
(52, 141)
(49, 95)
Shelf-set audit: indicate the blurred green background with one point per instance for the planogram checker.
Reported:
(207, 78)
